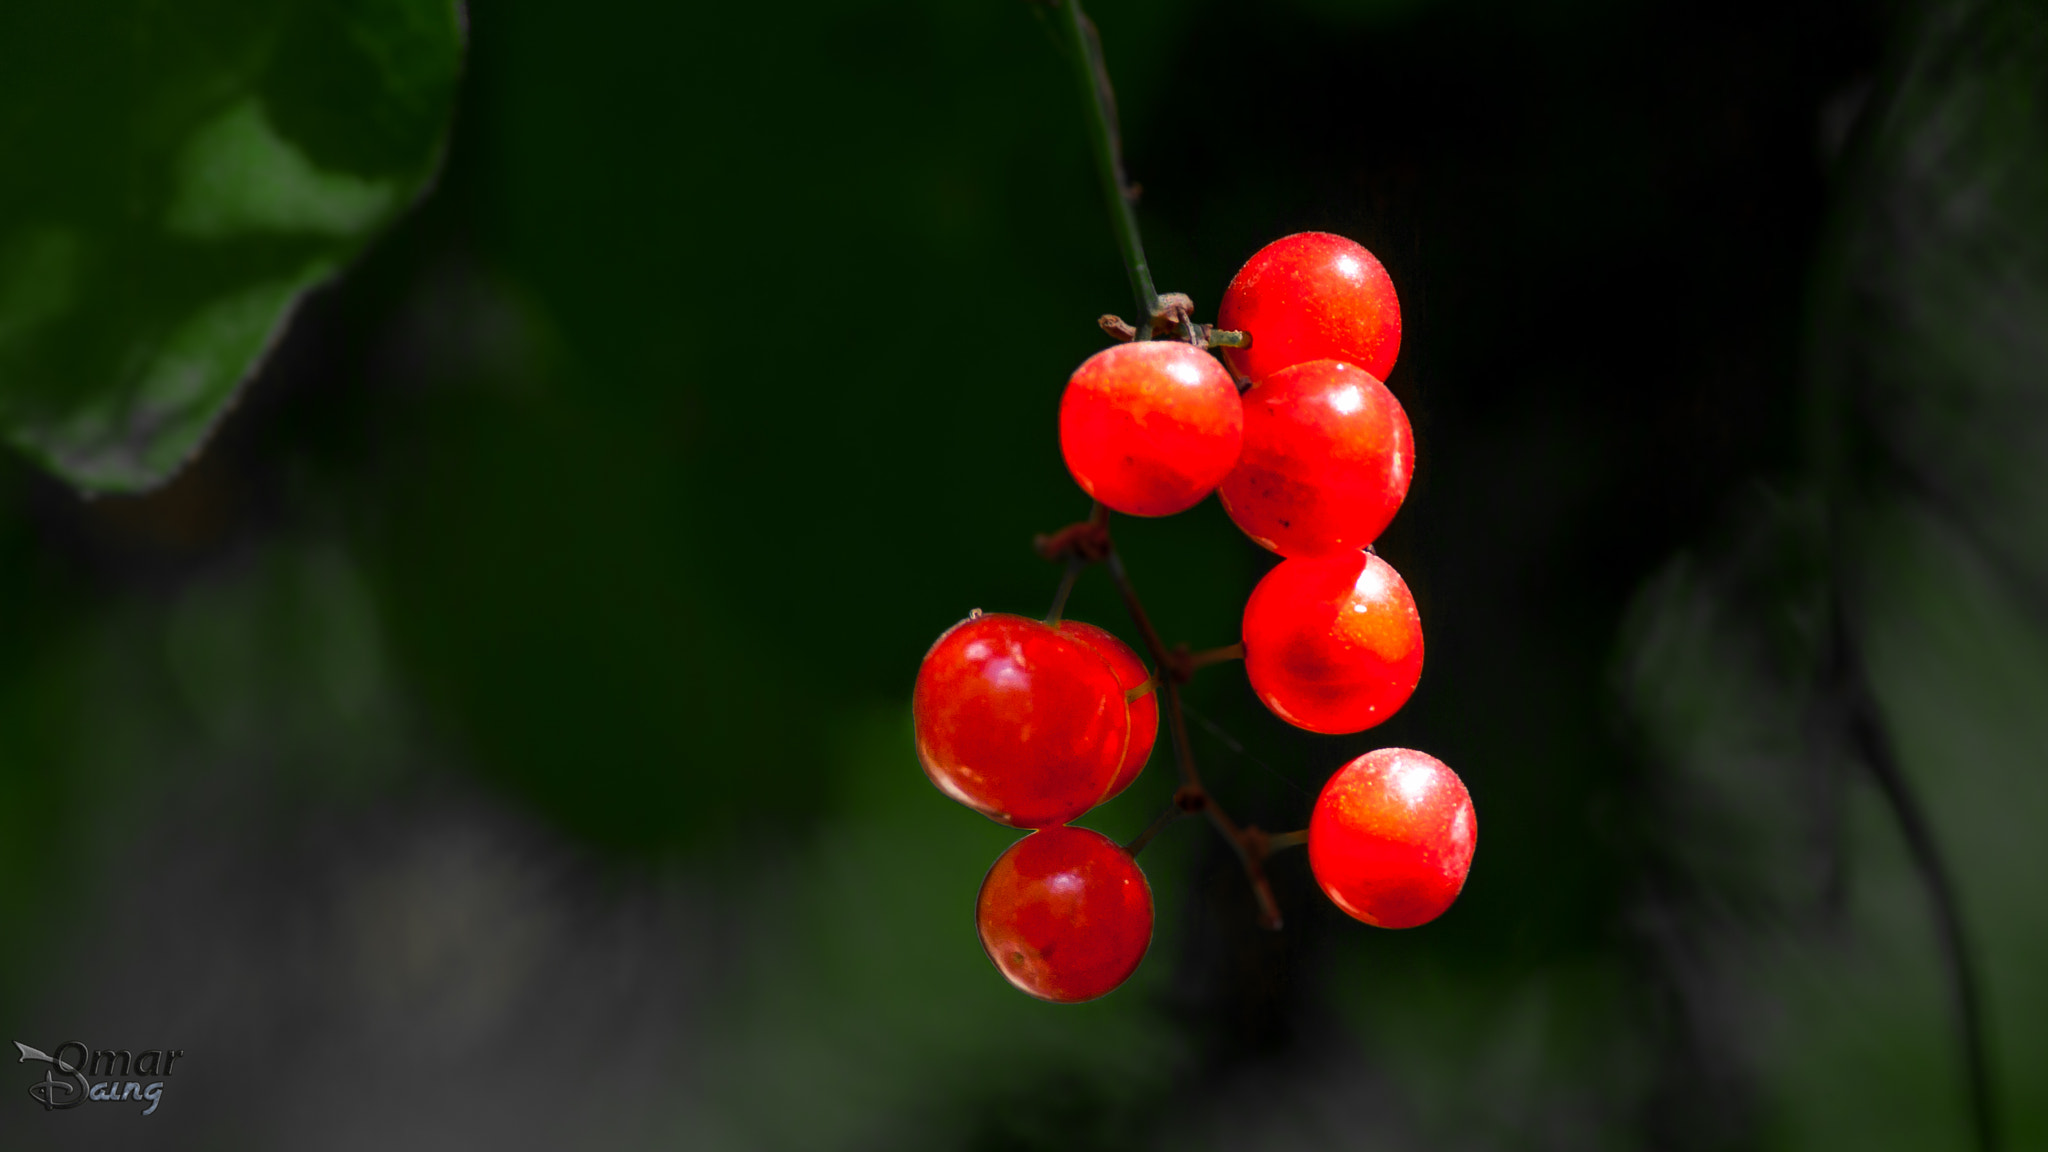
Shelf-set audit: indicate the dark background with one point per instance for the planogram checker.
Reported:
(498, 737)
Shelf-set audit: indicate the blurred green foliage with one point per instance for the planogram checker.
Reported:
(625, 482)
(1787, 889)
(180, 178)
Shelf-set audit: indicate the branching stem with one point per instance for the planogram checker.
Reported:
(1248, 843)
(1174, 811)
(1153, 644)
(1090, 540)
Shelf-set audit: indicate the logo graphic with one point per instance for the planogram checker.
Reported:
(66, 1085)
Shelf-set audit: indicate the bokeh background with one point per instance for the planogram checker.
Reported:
(497, 735)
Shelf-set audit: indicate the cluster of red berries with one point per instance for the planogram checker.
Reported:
(1034, 723)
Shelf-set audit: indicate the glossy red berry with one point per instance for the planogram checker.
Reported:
(1150, 427)
(1065, 914)
(1130, 673)
(1392, 836)
(1326, 461)
(1018, 720)
(1333, 645)
(1313, 296)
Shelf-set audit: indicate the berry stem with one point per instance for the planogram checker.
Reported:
(1279, 840)
(1153, 644)
(1200, 335)
(1173, 812)
(1087, 540)
(1210, 656)
(1059, 598)
(1103, 133)
(1249, 843)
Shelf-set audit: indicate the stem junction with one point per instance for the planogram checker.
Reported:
(1173, 668)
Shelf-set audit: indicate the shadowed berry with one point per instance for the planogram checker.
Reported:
(1333, 645)
(1065, 914)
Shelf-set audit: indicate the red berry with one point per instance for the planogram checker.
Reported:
(1150, 427)
(1018, 720)
(1065, 914)
(1333, 645)
(1326, 461)
(1130, 672)
(1312, 296)
(1392, 837)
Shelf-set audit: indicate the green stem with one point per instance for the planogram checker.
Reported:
(1100, 99)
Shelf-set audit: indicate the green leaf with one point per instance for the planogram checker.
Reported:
(179, 177)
